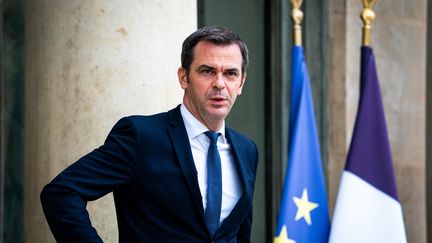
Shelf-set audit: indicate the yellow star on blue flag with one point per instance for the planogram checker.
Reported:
(283, 237)
(304, 207)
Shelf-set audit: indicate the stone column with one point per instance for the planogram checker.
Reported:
(88, 63)
(399, 42)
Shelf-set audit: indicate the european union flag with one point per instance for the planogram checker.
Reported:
(303, 215)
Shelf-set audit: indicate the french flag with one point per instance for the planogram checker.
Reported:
(367, 206)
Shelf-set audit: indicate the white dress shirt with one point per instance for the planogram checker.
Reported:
(199, 144)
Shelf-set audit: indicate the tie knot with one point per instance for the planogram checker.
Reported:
(213, 136)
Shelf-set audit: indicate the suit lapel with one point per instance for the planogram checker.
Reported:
(239, 160)
(245, 199)
(182, 148)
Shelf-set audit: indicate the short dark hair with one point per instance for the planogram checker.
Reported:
(217, 35)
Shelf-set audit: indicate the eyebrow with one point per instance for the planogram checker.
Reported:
(232, 70)
(204, 66)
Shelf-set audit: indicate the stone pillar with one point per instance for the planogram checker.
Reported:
(88, 63)
(399, 42)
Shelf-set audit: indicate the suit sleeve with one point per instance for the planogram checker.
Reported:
(101, 171)
(245, 231)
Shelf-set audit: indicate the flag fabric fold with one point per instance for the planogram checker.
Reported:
(303, 214)
(367, 206)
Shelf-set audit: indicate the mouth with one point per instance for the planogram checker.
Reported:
(217, 100)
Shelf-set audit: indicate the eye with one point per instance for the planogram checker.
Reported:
(232, 73)
(206, 71)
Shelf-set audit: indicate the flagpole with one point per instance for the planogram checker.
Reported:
(297, 16)
(367, 15)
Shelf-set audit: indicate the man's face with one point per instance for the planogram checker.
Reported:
(215, 79)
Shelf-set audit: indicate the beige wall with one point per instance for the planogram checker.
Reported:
(88, 63)
(399, 42)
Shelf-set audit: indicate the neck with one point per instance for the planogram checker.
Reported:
(212, 124)
(214, 127)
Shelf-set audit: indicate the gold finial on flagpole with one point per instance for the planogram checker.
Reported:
(367, 15)
(297, 16)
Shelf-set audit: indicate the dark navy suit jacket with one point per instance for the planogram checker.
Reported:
(146, 161)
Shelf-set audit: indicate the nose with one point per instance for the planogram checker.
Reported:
(219, 83)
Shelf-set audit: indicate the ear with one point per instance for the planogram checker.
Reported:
(182, 77)
(243, 80)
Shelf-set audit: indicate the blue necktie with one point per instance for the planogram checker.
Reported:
(214, 184)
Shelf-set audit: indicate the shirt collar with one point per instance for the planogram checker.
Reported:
(194, 127)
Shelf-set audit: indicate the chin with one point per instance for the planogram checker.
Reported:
(218, 114)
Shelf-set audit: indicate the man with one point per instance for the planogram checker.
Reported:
(179, 176)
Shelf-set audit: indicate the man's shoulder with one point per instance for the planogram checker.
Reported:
(144, 120)
(153, 122)
(157, 118)
(239, 137)
(245, 146)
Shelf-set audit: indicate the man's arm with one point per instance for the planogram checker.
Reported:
(65, 198)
